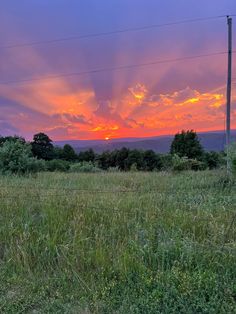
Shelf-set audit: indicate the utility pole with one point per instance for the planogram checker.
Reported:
(228, 107)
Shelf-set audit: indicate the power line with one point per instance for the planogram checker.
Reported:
(110, 69)
(120, 31)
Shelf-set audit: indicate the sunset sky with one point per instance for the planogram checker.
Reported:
(134, 102)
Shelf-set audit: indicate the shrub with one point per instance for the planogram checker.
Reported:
(180, 163)
(58, 165)
(197, 165)
(16, 158)
(84, 167)
(166, 161)
(184, 163)
(214, 160)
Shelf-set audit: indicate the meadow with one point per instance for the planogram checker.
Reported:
(118, 243)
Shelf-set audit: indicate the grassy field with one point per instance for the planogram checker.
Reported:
(118, 243)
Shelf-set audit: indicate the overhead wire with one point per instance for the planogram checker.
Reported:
(119, 31)
(111, 69)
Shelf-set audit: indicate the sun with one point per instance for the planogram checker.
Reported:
(107, 138)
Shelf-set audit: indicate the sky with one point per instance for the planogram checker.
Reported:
(151, 100)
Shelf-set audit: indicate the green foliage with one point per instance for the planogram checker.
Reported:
(68, 153)
(121, 158)
(234, 167)
(232, 157)
(184, 163)
(84, 167)
(87, 155)
(166, 162)
(135, 157)
(57, 165)
(57, 152)
(197, 165)
(151, 161)
(11, 139)
(16, 158)
(125, 158)
(187, 144)
(180, 163)
(107, 160)
(42, 147)
(214, 160)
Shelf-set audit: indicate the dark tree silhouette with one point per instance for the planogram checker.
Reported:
(68, 153)
(121, 158)
(151, 161)
(42, 147)
(135, 157)
(187, 144)
(87, 155)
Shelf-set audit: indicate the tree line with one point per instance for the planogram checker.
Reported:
(186, 153)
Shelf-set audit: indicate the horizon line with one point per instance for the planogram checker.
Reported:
(138, 137)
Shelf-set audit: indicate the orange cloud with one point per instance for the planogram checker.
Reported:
(139, 91)
(69, 111)
(78, 115)
(138, 102)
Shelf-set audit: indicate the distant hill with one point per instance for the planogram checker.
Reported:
(161, 144)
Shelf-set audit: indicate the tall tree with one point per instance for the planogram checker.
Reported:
(42, 147)
(187, 144)
(68, 153)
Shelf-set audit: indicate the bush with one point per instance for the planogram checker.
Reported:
(214, 160)
(16, 158)
(184, 163)
(197, 165)
(166, 161)
(180, 163)
(84, 167)
(58, 165)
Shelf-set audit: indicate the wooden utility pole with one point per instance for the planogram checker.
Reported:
(228, 107)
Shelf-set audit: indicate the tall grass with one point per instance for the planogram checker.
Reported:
(117, 243)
